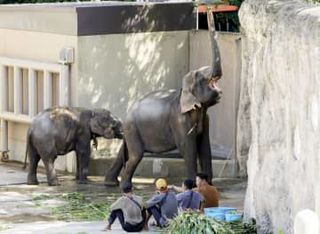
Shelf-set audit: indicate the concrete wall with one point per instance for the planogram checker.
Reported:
(115, 70)
(280, 108)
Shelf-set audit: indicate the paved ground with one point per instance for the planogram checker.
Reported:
(19, 213)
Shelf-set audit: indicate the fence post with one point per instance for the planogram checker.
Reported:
(32, 91)
(3, 108)
(47, 89)
(17, 90)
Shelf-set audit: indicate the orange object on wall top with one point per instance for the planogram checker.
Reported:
(217, 8)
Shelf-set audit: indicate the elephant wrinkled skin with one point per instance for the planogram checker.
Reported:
(165, 120)
(60, 130)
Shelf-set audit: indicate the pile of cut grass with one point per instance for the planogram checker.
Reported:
(77, 207)
(190, 222)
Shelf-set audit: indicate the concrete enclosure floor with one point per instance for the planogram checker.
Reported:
(19, 213)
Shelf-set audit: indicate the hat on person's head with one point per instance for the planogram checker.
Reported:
(161, 184)
(126, 187)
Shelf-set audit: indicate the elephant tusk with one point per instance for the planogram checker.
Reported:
(191, 130)
(95, 143)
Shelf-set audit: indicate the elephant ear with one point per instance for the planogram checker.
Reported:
(187, 100)
(96, 121)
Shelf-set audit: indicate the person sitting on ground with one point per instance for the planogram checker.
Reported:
(209, 192)
(129, 209)
(163, 206)
(189, 199)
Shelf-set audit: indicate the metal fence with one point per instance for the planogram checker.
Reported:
(26, 88)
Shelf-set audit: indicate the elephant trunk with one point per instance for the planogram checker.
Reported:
(216, 60)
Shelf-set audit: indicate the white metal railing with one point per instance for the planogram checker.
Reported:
(17, 115)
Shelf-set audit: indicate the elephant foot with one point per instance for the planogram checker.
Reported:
(32, 182)
(111, 183)
(83, 181)
(53, 183)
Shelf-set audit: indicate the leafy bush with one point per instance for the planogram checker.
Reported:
(226, 21)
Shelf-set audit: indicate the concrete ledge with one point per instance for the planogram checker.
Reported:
(166, 167)
(84, 19)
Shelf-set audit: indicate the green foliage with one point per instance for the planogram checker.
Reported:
(77, 207)
(280, 231)
(3, 227)
(231, 17)
(190, 222)
(227, 21)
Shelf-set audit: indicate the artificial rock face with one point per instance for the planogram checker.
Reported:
(279, 113)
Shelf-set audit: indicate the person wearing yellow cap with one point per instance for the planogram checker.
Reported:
(162, 206)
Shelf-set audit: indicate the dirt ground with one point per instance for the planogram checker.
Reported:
(20, 213)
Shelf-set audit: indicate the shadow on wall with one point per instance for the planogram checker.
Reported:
(117, 69)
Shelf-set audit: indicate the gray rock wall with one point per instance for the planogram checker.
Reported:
(279, 118)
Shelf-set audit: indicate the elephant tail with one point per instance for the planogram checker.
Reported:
(27, 149)
(124, 153)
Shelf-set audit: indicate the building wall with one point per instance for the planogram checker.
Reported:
(117, 69)
(38, 46)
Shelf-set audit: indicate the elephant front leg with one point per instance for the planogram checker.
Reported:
(51, 172)
(77, 167)
(135, 154)
(131, 166)
(83, 158)
(204, 150)
(188, 150)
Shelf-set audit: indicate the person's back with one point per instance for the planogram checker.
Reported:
(188, 199)
(210, 195)
(131, 208)
(164, 205)
(209, 192)
(169, 207)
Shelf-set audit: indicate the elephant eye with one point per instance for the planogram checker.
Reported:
(210, 81)
(103, 121)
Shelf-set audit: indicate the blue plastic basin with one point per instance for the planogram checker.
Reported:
(233, 217)
(216, 216)
(224, 210)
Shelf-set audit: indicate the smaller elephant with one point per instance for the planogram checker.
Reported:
(60, 130)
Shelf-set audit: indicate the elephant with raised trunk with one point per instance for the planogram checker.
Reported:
(172, 119)
(60, 130)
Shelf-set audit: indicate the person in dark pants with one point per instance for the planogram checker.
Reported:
(129, 209)
(162, 206)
